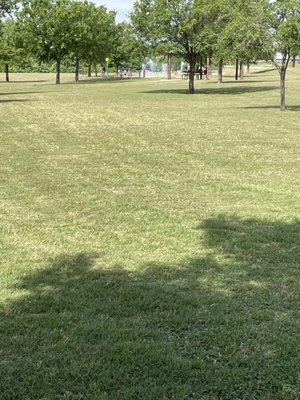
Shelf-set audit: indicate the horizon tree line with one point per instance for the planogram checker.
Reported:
(53, 31)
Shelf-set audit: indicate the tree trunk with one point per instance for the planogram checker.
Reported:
(77, 70)
(96, 70)
(248, 68)
(90, 70)
(294, 62)
(282, 92)
(201, 66)
(192, 62)
(220, 71)
(169, 68)
(207, 66)
(282, 68)
(7, 72)
(58, 72)
(236, 69)
(241, 74)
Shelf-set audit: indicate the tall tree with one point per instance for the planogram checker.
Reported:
(243, 31)
(104, 31)
(218, 48)
(173, 22)
(9, 52)
(80, 21)
(91, 32)
(285, 26)
(44, 30)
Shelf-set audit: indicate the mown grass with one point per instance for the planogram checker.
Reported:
(149, 240)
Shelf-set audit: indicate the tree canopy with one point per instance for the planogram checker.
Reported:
(180, 25)
(54, 29)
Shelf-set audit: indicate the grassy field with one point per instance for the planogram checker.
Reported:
(149, 240)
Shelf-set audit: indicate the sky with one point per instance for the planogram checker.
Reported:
(123, 7)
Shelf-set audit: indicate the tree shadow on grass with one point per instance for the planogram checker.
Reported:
(288, 108)
(223, 326)
(17, 93)
(248, 80)
(3, 101)
(33, 81)
(263, 71)
(99, 80)
(215, 90)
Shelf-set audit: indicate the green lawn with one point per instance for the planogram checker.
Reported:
(149, 240)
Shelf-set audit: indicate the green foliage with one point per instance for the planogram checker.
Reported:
(285, 23)
(242, 30)
(175, 24)
(129, 51)
(224, 28)
(28, 63)
(44, 29)
(52, 30)
(91, 31)
(10, 53)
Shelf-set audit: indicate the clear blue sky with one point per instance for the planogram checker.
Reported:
(123, 7)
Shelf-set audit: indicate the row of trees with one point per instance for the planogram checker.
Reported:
(227, 30)
(223, 30)
(56, 30)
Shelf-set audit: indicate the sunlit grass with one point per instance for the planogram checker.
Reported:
(149, 239)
